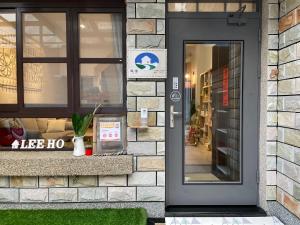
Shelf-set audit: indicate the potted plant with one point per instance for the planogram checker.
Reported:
(81, 124)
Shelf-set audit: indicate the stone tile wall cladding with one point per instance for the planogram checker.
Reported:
(283, 146)
(145, 29)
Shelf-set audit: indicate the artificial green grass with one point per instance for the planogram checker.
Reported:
(74, 217)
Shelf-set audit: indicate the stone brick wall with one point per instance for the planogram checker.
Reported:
(146, 186)
(288, 145)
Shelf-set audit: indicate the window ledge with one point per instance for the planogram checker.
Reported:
(62, 164)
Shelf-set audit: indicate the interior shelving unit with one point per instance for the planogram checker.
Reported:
(226, 129)
(206, 108)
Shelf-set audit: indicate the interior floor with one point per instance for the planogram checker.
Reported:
(198, 164)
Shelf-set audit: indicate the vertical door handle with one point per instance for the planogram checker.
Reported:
(172, 114)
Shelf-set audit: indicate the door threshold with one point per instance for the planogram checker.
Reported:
(215, 211)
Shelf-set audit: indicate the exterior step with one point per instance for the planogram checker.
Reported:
(223, 221)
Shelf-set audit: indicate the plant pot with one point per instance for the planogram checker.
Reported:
(79, 149)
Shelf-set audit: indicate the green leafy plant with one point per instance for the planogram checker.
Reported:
(81, 123)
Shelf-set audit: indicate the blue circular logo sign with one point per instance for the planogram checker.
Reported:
(146, 61)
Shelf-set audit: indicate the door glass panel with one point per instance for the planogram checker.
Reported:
(100, 35)
(45, 84)
(44, 35)
(8, 69)
(212, 150)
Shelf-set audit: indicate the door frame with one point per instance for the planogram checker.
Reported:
(212, 16)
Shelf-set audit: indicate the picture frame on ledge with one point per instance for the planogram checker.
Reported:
(109, 135)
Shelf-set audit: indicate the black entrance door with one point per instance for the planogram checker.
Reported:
(212, 130)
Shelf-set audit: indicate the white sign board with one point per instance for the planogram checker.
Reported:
(110, 131)
(147, 63)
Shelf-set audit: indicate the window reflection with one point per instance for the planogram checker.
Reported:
(8, 70)
(44, 35)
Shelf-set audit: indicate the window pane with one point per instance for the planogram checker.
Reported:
(101, 83)
(12, 129)
(45, 85)
(44, 35)
(182, 7)
(212, 112)
(100, 35)
(8, 75)
(211, 7)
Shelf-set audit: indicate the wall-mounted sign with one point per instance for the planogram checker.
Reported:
(38, 144)
(110, 131)
(225, 86)
(147, 63)
(175, 96)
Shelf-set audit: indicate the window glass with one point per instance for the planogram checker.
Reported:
(182, 7)
(44, 35)
(45, 84)
(12, 129)
(101, 83)
(211, 7)
(100, 35)
(8, 71)
(212, 152)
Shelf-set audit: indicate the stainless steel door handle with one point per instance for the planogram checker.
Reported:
(172, 114)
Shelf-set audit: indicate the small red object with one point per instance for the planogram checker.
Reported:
(88, 151)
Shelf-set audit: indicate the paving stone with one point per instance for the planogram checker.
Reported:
(141, 88)
(152, 103)
(142, 179)
(161, 148)
(63, 194)
(160, 27)
(130, 11)
(271, 118)
(150, 10)
(134, 119)
(286, 119)
(161, 178)
(141, 148)
(272, 88)
(150, 194)
(95, 194)
(121, 194)
(113, 180)
(53, 181)
(131, 134)
(34, 195)
(287, 54)
(285, 183)
(9, 195)
(23, 182)
(4, 182)
(151, 41)
(271, 177)
(131, 103)
(151, 163)
(272, 57)
(273, 11)
(160, 118)
(292, 137)
(83, 181)
(130, 41)
(151, 134)
(141, 26)
(271, 148)
(271, 103)
(285, 151)
(271, 193)
(286, 87)
(271, 163)
(160, 88)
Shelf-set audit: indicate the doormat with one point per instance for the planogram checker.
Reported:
(223, 221)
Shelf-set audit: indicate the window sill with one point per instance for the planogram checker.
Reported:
(62, 164)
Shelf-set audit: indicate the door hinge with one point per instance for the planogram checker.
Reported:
(257, 176)
(259, 35)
